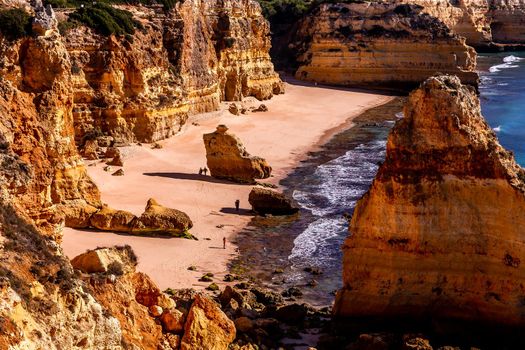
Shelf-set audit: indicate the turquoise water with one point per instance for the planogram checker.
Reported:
(502, 94)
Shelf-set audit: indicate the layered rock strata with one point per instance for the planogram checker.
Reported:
(228, 159)
(378, 44)
(439, 234)
(142, 87)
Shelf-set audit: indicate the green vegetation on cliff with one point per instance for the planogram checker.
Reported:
(293, 8)
(15, 23)
(103, 18)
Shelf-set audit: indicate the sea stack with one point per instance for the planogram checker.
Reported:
(228, 159)
(440, 232)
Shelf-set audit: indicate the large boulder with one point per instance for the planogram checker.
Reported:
(116, 260)
(228, 159)
(158, 219)
(266, 201)
(207, 327)
(108, 219)
(439, 235)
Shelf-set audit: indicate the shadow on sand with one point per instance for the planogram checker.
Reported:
(193, 177)
(242, 212)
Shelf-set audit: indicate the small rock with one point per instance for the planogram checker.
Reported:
(205, 278)
(108, 168)
(119, 172)
(155, 310)
(242, 285)
(312, 283)
(112, 152)
(105, 141)
(243, 324)
(292, 292)
(172, 321)
(266, 201)
(278, 271)
(261, 108)
(117, 161)
(156, 145)
(192, 268)
(229, 278)
(213, 287)
(292, 314)
(234, 109)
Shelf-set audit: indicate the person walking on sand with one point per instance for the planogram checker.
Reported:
(200, 171)
(205, 171)
(237, 204)
(223, 242)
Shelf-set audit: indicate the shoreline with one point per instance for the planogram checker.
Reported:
(277, 235)
(169, 175)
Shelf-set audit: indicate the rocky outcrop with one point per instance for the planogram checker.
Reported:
(378, 44)
(118, 260)
(428, 239)
(228, 159)
(143, 86)
(158, 219)
(207, 327)
(266, 201)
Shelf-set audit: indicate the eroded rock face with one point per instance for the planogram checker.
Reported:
(142, 87)
(207, 327)
(484, 23)
(118, 260)
(440, 232)
(378, 44)
(161, 220)
(228, 159)
(266, 201)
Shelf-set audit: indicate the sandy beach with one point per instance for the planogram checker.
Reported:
(296, 123)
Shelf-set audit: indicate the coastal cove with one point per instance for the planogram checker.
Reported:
(170, 176)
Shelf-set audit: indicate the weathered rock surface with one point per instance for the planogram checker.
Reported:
(266, 201)
(161, 220)
(184, 61)
(108, 219)
(228, 159)
(428, 239)
(207, 327)
(484, 23)
(102, 260)
(379, 44)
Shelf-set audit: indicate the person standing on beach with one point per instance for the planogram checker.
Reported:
(224, 243)
(237, 204)
(200, 171)
(205, 171)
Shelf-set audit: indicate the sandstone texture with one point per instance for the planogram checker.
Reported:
(187, 60)
(105, 260)
(440, 232)
(266, 201)
(228, 159)
(484, 23)
(378, 44)
(161, 220)
(207, 327)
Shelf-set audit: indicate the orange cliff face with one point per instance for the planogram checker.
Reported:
(380, 45)
(440, 232)
(143, 87)
(484, 23)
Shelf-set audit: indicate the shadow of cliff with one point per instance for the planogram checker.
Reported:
(193, 177)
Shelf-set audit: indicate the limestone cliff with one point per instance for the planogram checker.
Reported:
(484, 23)
(378, 44)
(440, 232)
(142, 87)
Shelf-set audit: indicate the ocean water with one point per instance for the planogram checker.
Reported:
(502, 95)
(326, 187)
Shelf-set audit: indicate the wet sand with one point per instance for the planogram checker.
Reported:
(297, 122)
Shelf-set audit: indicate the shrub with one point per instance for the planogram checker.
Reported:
(15, 23)
(105, 19)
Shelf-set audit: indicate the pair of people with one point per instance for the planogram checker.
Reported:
(203, 171)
